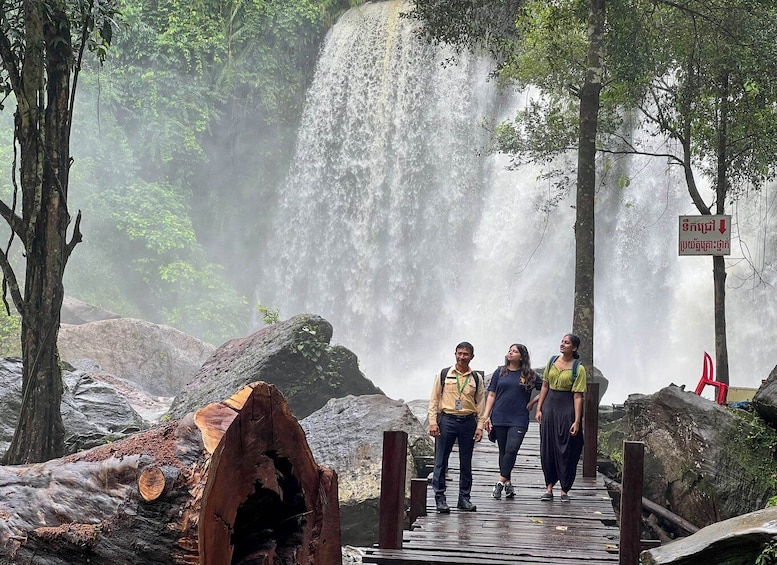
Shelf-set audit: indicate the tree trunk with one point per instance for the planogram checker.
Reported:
(718, 263)
(43, 133)
(583, 317)
(721, 346)
(233, 483)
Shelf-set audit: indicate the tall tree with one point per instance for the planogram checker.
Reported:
(699, 73)
(710, 85)
(585, 227)
(41, 47)
(508, 30)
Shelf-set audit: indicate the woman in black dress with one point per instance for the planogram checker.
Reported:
(560, 413)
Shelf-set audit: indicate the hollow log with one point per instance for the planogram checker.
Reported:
(233, 483)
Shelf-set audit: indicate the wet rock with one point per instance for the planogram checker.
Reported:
(93, 411)
(159, 358)
(294, 355)
(704, 462)
(346, 434)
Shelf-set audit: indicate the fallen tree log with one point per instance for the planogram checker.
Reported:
(233, 483)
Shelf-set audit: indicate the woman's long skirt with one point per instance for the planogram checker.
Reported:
(559, 450)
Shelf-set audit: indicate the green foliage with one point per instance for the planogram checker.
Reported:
(179, 141)
(169, 215)
(311, 347)
(768, 555)
(190, 292)
(610, 445)
(269, 315)
(760, 436)
(754, 445)
(154, 215)
(713, 82)
(10, 335)
(469, 24)
(309, 344)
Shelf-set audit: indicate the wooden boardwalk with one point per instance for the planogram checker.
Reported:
(511, 531)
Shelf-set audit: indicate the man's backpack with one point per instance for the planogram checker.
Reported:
(444, 373)
(575, 365)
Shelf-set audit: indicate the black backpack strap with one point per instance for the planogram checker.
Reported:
(575, 365)
(443, 374)
(550, 362)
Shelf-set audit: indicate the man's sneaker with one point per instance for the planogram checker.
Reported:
(509, 490)
(466, 505)
(497, 492)
(442, 506)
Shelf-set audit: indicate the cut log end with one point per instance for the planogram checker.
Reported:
(155, 482)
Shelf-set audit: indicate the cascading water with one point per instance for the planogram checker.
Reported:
(396, 226)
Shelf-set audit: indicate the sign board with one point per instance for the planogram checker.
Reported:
(705, 235)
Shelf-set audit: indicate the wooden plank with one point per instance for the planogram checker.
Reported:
(521, 530)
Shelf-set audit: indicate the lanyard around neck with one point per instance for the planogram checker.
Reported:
(460, 386)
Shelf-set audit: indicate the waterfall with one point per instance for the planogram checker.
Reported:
(397, 226)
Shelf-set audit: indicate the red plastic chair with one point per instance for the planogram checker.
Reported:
(708, 378)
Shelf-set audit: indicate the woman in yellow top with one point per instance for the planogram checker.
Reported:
(560, 414)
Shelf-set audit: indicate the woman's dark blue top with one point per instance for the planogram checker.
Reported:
(511, 399)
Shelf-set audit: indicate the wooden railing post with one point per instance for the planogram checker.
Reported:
(392, 490)
(631, 502)
(590, 429)
(417, 499)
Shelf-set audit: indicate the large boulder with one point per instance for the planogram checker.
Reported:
(704, 462)
(159, 358)
(93, 412)
(347, 435)
(76, 312)
(765, 399)
(420, 409)
(294, 355)
(150, 407)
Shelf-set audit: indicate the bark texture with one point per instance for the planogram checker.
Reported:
(583, 318)
(233, 483)
(40, 80)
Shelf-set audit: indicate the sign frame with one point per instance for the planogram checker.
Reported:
(704, 235)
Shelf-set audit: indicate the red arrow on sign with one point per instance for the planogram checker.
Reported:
(722, 226)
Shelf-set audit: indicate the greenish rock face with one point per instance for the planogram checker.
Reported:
(703, 462)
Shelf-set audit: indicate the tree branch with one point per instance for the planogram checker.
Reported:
(11, 284)
(633, 151)
(76, 239)
(16, 223)
(10, 64)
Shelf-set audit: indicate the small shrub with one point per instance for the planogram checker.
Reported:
(768, 556)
